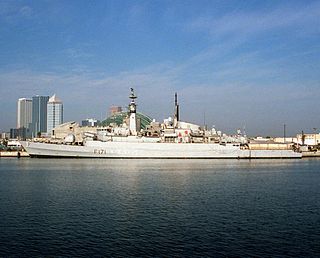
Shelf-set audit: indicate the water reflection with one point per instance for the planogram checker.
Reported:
(72, 207)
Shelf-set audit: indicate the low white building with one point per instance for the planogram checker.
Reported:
(308, 138)
(285, 140)
(13, 144)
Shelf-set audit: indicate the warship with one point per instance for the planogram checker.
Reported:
(172, 139)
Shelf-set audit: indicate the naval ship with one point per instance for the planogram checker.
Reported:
(172, 139)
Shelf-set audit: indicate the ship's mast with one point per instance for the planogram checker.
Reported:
(176, 111)
(132, 111)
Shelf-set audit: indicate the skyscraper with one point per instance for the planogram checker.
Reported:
(39, 114)
(54, 113)
(24, 113)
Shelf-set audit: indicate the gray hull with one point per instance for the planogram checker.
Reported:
(131, 150)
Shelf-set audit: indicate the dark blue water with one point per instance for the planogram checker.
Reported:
(159, 208)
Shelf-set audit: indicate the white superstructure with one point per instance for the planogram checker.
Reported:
(132, 112)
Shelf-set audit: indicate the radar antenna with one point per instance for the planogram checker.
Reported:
(132, 95)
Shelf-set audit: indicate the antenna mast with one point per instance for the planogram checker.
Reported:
(176, 111)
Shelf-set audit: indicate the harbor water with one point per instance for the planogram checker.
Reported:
(159, 208)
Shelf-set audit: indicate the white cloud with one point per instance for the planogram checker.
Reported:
(12, 11)
(234, 84)
(26, 11)
(228, 103)
(245, 23)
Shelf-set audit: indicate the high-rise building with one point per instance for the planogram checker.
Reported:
(54, 113)
(24, 113)
(20, 133)
(39, 114)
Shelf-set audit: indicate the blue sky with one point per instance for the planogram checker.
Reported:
(253, 64)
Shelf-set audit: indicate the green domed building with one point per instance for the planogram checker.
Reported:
(120, 117)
